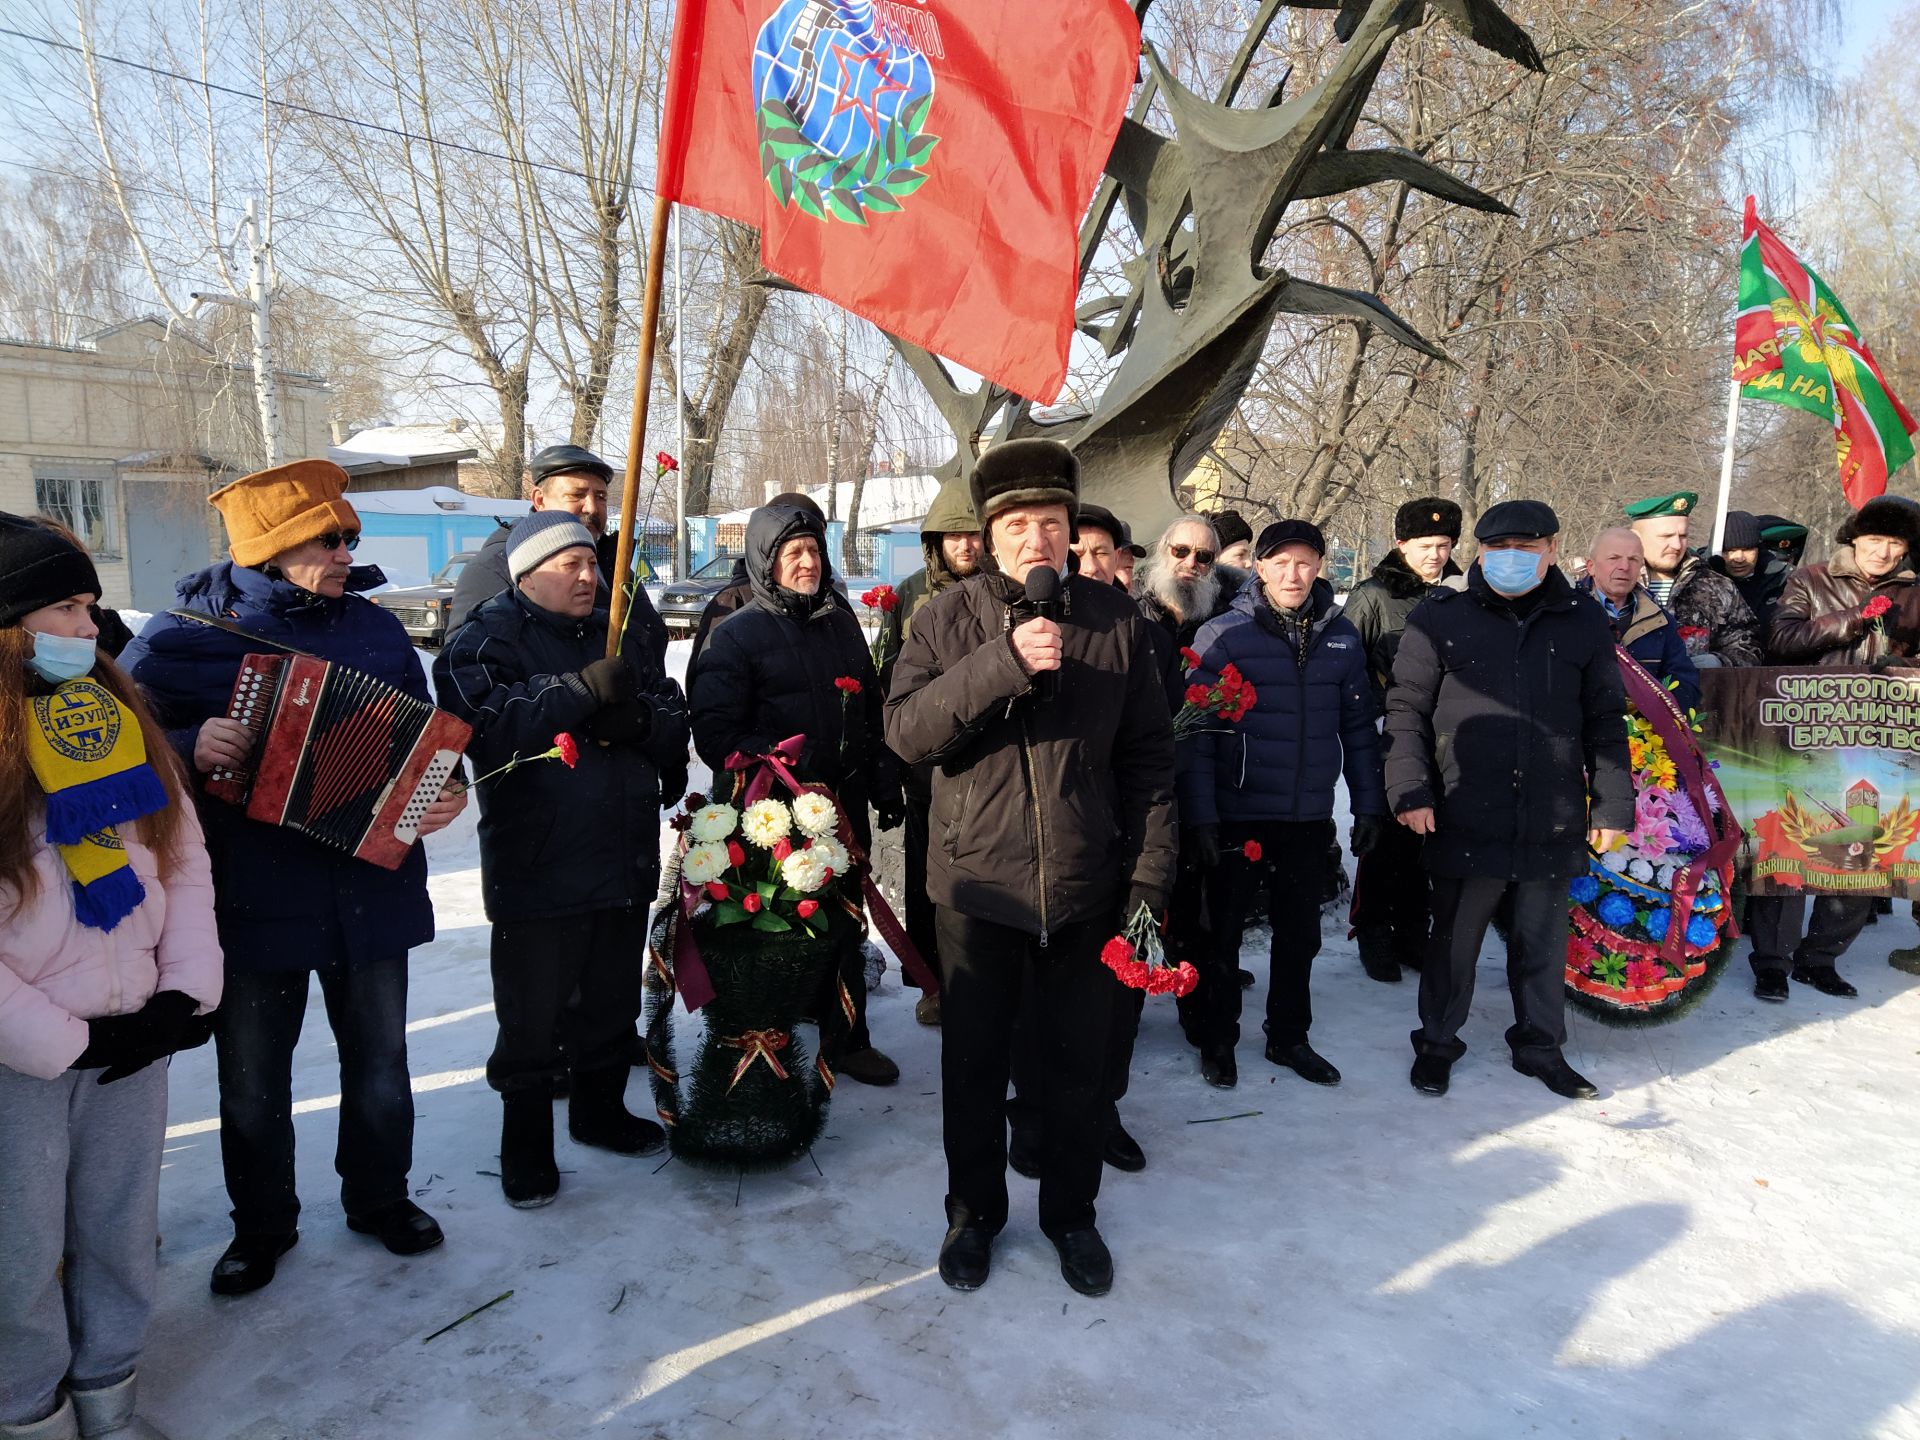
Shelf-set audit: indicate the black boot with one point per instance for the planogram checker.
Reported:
(1377, 954)
(1217, 1067)
(1431, 1074)
(597, 1115)
(529, 1178)
(402, 1226)
(966, 1255)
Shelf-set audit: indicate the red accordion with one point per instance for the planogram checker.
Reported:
(345, 759)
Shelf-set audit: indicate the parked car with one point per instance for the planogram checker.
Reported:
(422, 609)
(682, 601)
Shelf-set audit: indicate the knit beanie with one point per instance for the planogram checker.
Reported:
(39, 567)
(271, 511)
(541, 536)
(1742, 532)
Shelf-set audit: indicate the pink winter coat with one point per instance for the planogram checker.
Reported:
(56, 974)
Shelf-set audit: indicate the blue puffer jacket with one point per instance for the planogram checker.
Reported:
(1308, 722)
(284, 902)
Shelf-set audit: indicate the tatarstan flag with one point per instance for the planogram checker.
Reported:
(923, 163)
(1794, 344)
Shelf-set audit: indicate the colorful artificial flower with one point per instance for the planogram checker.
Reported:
(781, 850)
(815, 814)
(704, 862)
(714, 822)
(765, 822)
(805, 871)
(807, 909)
(752, 903)
(736, 853)
(717, 889)
(831, 853)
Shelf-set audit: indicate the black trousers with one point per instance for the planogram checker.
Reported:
(1776, 924)
(537, 967)
(919, 917)
(1536, 963)
(1024, 1110)
(1293, 865)
(987, 966)
(1391, 891)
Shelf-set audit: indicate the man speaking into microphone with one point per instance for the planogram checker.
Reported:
(1037, 697)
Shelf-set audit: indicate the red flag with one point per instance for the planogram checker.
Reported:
(923, 163)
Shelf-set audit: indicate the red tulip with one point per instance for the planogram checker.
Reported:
(807, 909)
(717, 889)
(752, 902)
(736, 854)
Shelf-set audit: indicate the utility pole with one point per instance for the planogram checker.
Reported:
(259, 304)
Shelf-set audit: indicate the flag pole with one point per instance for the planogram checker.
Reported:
(637, 426)
(1726, 466)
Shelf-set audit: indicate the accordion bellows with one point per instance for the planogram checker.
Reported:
(347, 760)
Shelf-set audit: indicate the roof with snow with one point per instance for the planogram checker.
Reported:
(434, 500)
(399, 446)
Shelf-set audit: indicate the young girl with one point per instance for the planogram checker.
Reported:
(108, 961)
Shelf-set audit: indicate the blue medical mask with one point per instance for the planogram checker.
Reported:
(1511, 572)
(60, 657)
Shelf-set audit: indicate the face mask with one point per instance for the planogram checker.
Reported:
(60, 657)
(1511, 572)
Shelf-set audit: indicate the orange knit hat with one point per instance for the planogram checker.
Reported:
(271, 511)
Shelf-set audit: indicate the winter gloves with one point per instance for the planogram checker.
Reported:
(123, 1045)
(1366, 833)
(1206, 845)
(633, 710)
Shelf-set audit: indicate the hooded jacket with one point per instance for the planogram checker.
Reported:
(1378, 608)
(1818, 620)
(1312, 718)
(1646, 631)
(951, 513)
(284, 902)
(1509, 721)
(1046, 811)
(769, 668)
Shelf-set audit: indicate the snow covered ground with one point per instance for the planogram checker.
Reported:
(1723, 1246)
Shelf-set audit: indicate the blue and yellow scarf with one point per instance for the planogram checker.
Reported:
(87, 754)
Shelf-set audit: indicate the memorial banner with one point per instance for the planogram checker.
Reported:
(1822, 768)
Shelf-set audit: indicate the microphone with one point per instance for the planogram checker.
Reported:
(1043, 593)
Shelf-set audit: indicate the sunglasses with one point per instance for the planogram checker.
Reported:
(334, 539)
(1181, 552)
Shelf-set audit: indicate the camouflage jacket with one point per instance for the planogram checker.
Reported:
(1712, 617)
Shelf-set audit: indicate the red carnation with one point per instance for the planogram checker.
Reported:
(736, 854)
(1190, 657)
(807, 909)
(1116, 952)
(847, 685)
(666, 463)
(1196, 695)
(752, 902)
(569, 752)
(717, 889)
(1875, 608)
(1185, 978)
(881, 597)
(1252, 850)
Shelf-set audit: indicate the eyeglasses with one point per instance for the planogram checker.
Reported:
(1181, 552)
(334, 539)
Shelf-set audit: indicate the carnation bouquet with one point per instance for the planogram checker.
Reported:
(1228, 698)
(1138, 960)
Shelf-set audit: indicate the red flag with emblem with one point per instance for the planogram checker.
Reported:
(923, 163)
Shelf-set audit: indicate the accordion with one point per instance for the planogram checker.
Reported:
(345, 759)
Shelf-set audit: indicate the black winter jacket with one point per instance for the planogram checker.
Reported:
(1378, 608)
(1509, 721)
(1045, 811)
(557, 840)
(767, 674)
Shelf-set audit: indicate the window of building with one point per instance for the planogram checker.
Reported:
(80, 497)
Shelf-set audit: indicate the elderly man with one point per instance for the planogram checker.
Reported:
(1758, 571)
(1100, 542)
(291, 909)
(569, 854)
(1258, 799)
(1507, 751)
(1819, 621)
(1129, 555)
(1053, 796)
(1390, 895)
(1641, 626)
(1180, 590)
(950, 541)
(739, 589)
(768, 674)
(1715, 623)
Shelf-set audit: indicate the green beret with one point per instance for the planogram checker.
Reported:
(1658, 507)
(1785, 533)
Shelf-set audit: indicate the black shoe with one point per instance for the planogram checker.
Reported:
(1247, 977)
(1217, 1067)
(1023, 1154)
(529, 1178)
(1825, 979)
(1123, 1152)
(249, 1262)
(1770, 985)
(637, 1052)
(403, 1227)
(1304, 1061)
(597, 1115)
(869, 1067)
(1561, 1078)
(1431, 1074)
(966, 1255)
(1085, 1262)
(1377, 955)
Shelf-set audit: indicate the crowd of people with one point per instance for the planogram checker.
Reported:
(1021, 733)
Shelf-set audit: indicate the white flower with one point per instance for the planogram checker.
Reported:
(832, 854)
(804, 870)
(1616, 860)
(704, 862)
(1663, 877)
(766, 823)
(714, 822)
(1640, 870)
(815, 814)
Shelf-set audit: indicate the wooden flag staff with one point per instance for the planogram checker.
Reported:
(622, 578)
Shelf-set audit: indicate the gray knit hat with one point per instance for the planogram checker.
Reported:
(542, 535)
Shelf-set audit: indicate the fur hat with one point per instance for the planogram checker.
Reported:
(271, 511)
(39, 567)
(1417, 519)
(541, 536)
(1230, 527)
(1888, 515)
(1025, 472)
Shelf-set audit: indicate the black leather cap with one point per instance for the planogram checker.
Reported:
(1517, 520)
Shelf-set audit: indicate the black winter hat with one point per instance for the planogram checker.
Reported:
(561, 459)
(1742, 532)
(1100, 518)
(1231, 529)
(1888, 515)
(1517, 520)
(1289, 532)
(1417, 519)
(796, 500)
(39, 566)
(1025, 472)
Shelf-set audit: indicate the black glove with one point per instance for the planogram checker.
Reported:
(1205, 841)
(673, 784)
(1137, 896)
(1366, 833)
(627, 720)
(611, 680)
(123, 1045)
